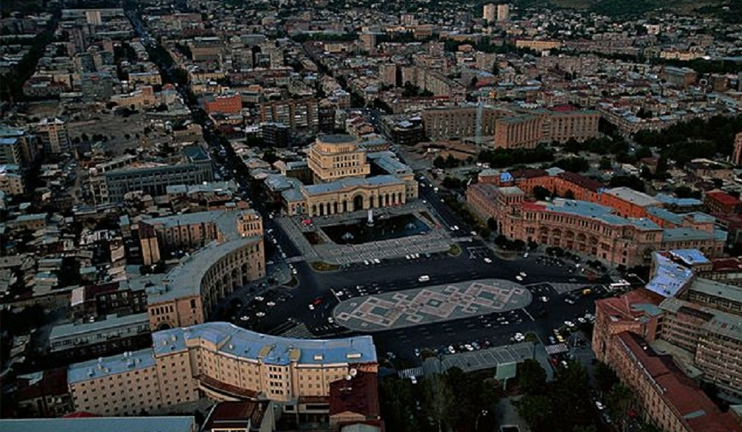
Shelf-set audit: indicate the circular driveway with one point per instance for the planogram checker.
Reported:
(431, 304)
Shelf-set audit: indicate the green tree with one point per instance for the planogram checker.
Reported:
(492, 224)
(537, 411)
(531, 377)
(439, 162)
(605, 164)
(438, 399)
(541, 193)
(605, 378)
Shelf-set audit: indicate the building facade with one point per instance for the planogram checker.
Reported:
(585, 227)
(222, 362)
(53, 136)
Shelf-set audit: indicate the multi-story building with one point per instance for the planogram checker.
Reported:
(21, 147)
(503, 12)
(225, 104)
(340, 168)
(53, 136)
(11, 180)
(75, 341)
(153, 179)
(489, 12)
(531, 129)
(460, 122)
(296, 114)
(333, 157)
(585, 227)
(718, 201)
(222, 362)
(737, 154)
(194, 230)
(664, 396)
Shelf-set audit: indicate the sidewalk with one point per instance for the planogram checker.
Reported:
(434, 241)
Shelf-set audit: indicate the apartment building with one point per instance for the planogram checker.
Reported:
(528, 130)
(295, 113)
(53, 136)
(460, 122)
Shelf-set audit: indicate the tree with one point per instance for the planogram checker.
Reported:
(573, 164)
(604, 377)
(492, 224)
(630, 181)
(531, 377)
(439, 162)
(451, 162)
(438, 399)
(541, 193)
(569, 194)
(537, 411)
(451, 183)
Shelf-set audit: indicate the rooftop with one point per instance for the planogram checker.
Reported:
(678, 234)
(359, 395)
(246, 344)
(638, 198)
(678, 390)
(350, 182)
(337, 139)
(185, 279)
(717, 289)
(107, 366)
(669, 277)
(240, 414)
(111, 322)
(679, 202)
(690, 256)
(716, 321)
(98, 424)
(226, 221)
(596, 211)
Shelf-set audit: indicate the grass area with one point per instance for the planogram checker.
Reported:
(454, 250)
(532, 337)
(323, 266)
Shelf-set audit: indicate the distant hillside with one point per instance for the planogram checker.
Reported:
(641, 7)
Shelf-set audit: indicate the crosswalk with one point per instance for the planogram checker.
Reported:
(411, 372)
(298, 331)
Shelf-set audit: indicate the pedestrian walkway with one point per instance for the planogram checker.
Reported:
(411, 372)
(435, 240)
(299, 331)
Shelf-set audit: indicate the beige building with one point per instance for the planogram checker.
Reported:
(52, 132)
(489, 12)
(530, 130)
(224, 363)
(333, 157)
(340, 167)
(233, 256)
(460, 121)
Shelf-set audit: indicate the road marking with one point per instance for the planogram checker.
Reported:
(529, 315)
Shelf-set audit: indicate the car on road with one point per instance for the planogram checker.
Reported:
(523, 274)
(417, 352)
(260, 314)
(451, 349)
(569, 323)
(519, 337)
(317, 300)
(271, 303)
(469, 347)
(244, 318)
(487, 260)
(544, 299)
(330, 320)
(377, 261)
(569, 300)
(365, 262)
(519, 278)
(294, 272)
(259, 298)
(311, 306)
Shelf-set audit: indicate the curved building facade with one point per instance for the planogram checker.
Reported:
(223, 362)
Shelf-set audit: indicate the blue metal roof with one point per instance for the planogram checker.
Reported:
(669, 277)
(690, 256)
(249, 345)
(107, 366)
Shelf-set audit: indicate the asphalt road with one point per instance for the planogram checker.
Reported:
(320, 290)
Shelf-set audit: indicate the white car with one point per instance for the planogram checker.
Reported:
(519, 278)
(244, 318)
(569, 323)
(451, 349)
(407, 256)
(260, 314)
(469, 347)
(293, 271)
(330, 320)
(544, 299)
(311, 306)
(523, 274)
(365, 262)
(377, 261)
(271, 304)
(487, 260)
(259, 298)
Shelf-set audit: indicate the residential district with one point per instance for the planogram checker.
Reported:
(344, 215)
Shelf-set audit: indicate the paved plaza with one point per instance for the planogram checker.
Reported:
(431, 304)
(435, 240)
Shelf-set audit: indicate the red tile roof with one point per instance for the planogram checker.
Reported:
(681, 392)
(723, 197)
(234, 415)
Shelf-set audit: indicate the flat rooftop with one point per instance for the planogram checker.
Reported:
(638, 198)
(249, 345)
(98, 424)
(107, 366)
